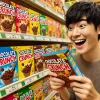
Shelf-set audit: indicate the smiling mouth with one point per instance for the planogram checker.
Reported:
(80, 42)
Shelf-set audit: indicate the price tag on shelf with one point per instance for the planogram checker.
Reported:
(11, 89)
(35, 78)
(59, 40)
(28, 37)
(39, 38)
(41, 75)
(46, 38)
(53, 39)
(64, 40)
(38, 3)
(13, 36)
(28, 81)
(0, 36)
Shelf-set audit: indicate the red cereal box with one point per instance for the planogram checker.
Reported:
(22, 19)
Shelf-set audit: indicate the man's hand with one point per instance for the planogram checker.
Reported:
(83, 88)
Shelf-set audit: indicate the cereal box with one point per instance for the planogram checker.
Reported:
(25, 61)
(43, 25)
(25, 93)
(45, 85)
(39, 50)
(53, 28)
(7, 17)
(8, 66)
(22, 19)
(37, 90)
(34, 22)
(58, 30)
(50, 26)
(13, 96)
(62, 63)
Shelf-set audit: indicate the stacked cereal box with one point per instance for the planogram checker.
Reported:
(26, 93)
(54, 28)
(8, 66)
(43, 25)
(25, 61)
(7, 17)
(13, 96)
(22, 19)
(39, 50)
(37, 90)
(34, 22)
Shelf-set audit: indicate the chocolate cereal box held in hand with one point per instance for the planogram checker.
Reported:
(62, 63)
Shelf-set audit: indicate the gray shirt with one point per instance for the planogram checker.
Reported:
(90, 70)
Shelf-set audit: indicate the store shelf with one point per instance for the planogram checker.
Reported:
(50, 95)
(34, 4)
(20, 84)
(23, 37)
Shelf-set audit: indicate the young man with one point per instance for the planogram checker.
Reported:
(83, 23)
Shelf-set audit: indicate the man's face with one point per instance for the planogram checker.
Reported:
(83, 35)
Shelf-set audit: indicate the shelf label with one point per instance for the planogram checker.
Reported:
(59, 40)
(0, 36)
(3, 93)
(13, 36)
(35, 78)
(28, 81)
(11, 89)
(46, 38)
(27, 37)
(53, 39)
(40, 75)
(39, 38)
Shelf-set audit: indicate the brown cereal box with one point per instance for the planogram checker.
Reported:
(39, 50)
(37, 90)
(34, 22)
(7, 16)
(22, 19)
(62, 63)
(25, 61)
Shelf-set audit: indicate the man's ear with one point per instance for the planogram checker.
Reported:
(98, 29)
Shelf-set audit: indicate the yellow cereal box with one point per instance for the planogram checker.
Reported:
(37, 90)
(50, 26)
(25, 61)
(53, 28)
(34, 22)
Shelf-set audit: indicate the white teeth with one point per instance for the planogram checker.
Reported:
(77, 41)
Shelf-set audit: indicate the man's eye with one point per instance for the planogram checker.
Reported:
(70, 28)
(82, 26)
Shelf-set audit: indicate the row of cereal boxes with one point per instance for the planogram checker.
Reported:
(18, 19)
(54, 5)
(19, 62)
(36, 91)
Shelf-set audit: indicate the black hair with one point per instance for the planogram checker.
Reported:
(88, 9)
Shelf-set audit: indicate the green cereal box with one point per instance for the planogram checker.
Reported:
(8, 65)
(43, 25)
(26, 93)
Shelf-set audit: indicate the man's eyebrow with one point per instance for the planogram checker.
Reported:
(82, 20)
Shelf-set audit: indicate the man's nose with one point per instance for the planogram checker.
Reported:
(76, 32)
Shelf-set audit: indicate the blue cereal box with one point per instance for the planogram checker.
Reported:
(8, 66)
(62, 63)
